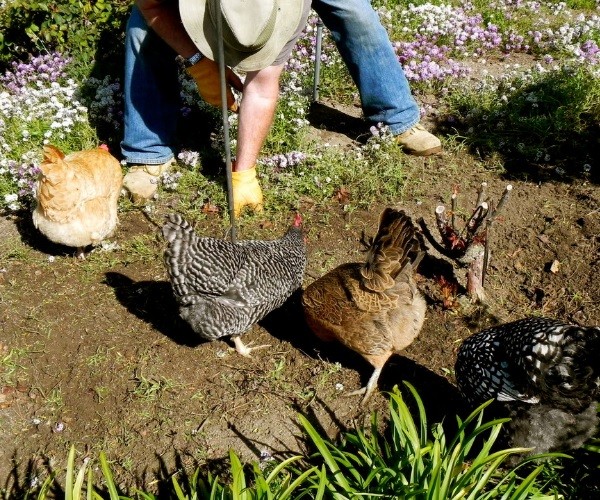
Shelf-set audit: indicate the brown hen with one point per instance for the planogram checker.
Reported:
(77, 197)
(374, 308)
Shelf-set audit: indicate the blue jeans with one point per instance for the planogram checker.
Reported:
(367, 52)
(152, 99)
(152, 95)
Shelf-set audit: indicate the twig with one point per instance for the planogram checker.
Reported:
(502, 202)
(476, 219)
(441, 221)
(454, 195)
(429, 237)
(481, 193)
(486, 250)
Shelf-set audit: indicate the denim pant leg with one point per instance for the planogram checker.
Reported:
(152, 99)
(367, 51)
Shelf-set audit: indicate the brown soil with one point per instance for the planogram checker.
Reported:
(108, 365)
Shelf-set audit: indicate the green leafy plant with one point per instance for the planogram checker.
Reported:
(540, 118)
(67, 26)
(410, 462)
(406, 461)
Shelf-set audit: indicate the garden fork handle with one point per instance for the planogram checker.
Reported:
(225, 115)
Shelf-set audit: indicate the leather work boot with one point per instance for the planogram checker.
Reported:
(419, 142)
(141, 181)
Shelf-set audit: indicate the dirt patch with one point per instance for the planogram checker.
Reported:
(96, 356)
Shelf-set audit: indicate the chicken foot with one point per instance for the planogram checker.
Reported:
(369, 388)
(244, 349)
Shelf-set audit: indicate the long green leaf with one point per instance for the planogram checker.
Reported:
(325, 453)
(90, 485)
(524, 489)
(297, 482)
(78, 487)
(281, 466)
(110, 483)
(422, 415)
(238, 485)
(69, 476)
(46, 486)
(177, 488)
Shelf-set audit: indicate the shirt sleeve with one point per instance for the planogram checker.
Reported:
(287, 48)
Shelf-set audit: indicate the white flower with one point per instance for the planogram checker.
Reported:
(9, 198)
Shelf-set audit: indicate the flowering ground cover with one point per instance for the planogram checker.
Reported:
(93, 354)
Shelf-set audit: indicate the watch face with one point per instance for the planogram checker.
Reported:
(194, 59)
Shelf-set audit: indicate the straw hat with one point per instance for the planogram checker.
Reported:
(254, 31)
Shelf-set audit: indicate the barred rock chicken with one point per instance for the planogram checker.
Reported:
(373, 307)
(77, 197)
(543, 373)
(223, 288)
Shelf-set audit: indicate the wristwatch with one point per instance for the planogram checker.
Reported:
(190, 61)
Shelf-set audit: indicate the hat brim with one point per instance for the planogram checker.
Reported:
(199, 26)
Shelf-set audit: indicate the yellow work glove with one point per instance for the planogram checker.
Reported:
(246, 191)
(206, 75)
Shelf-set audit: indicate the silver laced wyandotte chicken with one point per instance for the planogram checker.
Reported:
(223, 288)
(372, 307)
(543, 373)
(77, 197)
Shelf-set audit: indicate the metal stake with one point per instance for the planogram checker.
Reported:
(317, 76)
(224, 112)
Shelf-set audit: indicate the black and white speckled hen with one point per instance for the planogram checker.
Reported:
(543, 373)
(223, 288)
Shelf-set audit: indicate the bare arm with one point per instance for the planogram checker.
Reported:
(261, 91)
(163, 17)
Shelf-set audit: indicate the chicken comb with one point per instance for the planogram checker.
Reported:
(297, 220)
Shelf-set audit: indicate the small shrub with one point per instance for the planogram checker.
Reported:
(67, 26)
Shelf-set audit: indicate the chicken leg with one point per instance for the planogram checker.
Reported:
(244, 349)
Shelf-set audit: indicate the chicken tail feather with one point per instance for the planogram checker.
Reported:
(397, 244)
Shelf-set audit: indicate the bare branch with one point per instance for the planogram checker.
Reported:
(441, 221)
(476, 219)
(432, 241)
(486, 250)
(454, 195)
(502, 202)
(481, 193)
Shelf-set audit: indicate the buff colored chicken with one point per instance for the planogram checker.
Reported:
(77, 197)
(374, 308)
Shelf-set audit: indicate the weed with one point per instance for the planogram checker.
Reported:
(101, 393)
(330, 369)
(277, 372)
(150, 389)
(10, 363)
(54, 400)
(98, 358)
